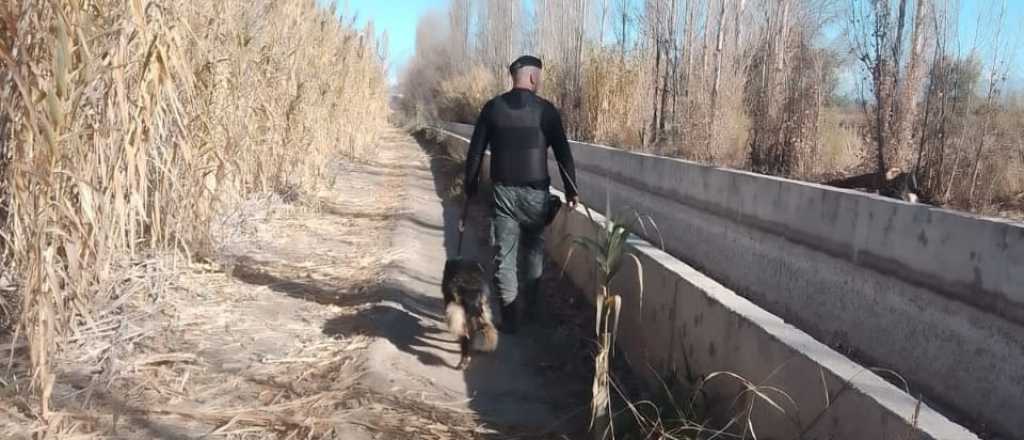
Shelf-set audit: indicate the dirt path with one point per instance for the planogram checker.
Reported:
(530, 386)
(322, 323)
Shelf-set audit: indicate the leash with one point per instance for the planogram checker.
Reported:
(462, 225)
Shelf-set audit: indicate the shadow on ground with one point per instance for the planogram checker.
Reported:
(535, 386)
(324, 292)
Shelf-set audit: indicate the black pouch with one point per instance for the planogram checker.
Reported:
(554, 205)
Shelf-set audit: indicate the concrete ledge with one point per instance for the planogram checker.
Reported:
(936, 295)
(689, 322)
(969, 258)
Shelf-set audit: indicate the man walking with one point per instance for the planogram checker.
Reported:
(519, 126)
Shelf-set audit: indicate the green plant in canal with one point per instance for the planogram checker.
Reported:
(607, 248)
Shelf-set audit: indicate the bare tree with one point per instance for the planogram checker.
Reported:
(998, 70)
(894, 62)
(499, 33)
(459, 19)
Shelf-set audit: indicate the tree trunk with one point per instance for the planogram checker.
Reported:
(688, 50)
(738, 24)
(713, 107)
(906, 106)
(670, 62)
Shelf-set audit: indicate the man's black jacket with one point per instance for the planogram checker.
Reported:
(519, 126)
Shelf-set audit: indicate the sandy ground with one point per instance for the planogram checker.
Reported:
(320, 323)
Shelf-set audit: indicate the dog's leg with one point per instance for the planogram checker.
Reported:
(464, 346)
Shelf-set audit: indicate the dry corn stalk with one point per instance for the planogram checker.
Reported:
(126, 125)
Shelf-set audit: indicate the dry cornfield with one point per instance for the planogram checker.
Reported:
(126, 127)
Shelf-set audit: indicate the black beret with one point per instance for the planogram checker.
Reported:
(524, 61)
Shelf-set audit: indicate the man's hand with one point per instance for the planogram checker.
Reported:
(572, 201)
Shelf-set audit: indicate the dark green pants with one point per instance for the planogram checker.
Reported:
(517, 229)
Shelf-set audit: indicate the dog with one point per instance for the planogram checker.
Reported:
(468, 309)
(895, 183)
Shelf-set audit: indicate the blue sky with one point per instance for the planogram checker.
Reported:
(980, 12)
(398, 18)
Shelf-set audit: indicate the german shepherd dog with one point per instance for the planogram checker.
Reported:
(468, 309)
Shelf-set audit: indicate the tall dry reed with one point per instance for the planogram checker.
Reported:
(126, 125)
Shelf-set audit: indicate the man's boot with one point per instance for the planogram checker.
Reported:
(510, 316)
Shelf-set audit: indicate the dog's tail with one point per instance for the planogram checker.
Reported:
(456, 319)
(486, 340)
